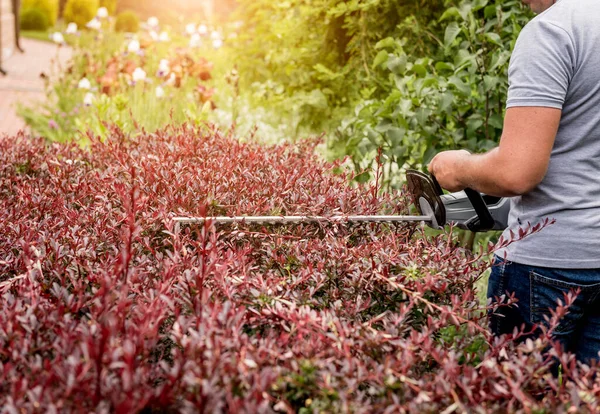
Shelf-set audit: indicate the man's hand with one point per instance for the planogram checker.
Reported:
(446, 166)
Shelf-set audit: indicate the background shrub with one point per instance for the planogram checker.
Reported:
(128, 22)
(318, 54)
(34, 19)
(80, 11)
(408, 78)
(451, 97)
(48, 7)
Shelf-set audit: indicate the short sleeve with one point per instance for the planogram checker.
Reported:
(541, 66)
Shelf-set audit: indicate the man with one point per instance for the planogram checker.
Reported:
(549, 161)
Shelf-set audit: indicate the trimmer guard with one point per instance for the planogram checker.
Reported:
(426, 196)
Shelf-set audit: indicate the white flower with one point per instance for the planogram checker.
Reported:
(153, 21)
(163, 68)
(160, 92)
(202, 29)
(164, 65)
(134, 46)
(195, 40)
(102, 13)
(154, 35)
(58, 38)
(217, 43)
(139, 75)
(164, 37)
(89, 99)
(85, 84)
(71, 28)
(94, 24)
(190, 28)
(215, 35)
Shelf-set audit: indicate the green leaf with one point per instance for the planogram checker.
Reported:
(421, 84)
(373, 137)
(388, 42)
(479, 4)
(474, 123)
(363, 177)
(464, 58)
(381, 58)
(395, 135)
(494, 38)
(405, 107)
(429, 154)
(487, 144)
(461, 86)
(397, 64)
(450, 13)
(442, 66)
(384, 125)
(451, 33)
(490, 12)
(322, 69)
(446, 101)
(499, 59)
(419, 70)
(490, 82)
(423, 116)
(465, 10)
(399, 151)
(496, 121)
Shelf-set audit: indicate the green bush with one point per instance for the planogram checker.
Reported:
(34, 19)
(80, 11)
(127, 21)
(449, 98)
(312, 58)
(111, 5)
(48, 7)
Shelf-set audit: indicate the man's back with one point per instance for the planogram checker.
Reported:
(556, 63)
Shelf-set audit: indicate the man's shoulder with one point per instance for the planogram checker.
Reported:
(571, 16)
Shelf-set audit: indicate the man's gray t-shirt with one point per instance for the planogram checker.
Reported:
(556, 63)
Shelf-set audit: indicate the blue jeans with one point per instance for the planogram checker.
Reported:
(537, 290)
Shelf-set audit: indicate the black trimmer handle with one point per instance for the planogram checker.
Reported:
(485, 220)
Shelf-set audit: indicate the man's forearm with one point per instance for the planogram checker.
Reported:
(490, 174)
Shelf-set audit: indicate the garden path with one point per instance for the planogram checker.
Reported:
(24, 81)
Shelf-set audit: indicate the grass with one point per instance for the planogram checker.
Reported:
(36, 35)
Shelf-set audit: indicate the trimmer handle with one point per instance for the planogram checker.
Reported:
(484, 221)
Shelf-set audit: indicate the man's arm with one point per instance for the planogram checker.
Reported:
(515, 167)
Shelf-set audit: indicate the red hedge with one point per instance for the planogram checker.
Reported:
(107, 306)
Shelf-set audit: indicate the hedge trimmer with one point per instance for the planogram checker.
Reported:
(466, 209)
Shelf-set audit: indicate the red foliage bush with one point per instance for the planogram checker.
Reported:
(107, 306)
